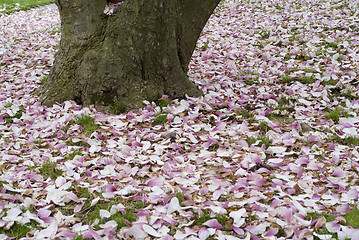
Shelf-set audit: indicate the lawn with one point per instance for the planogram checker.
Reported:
(269, 152)
(9, 6)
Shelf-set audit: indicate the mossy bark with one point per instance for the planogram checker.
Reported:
(140, 52)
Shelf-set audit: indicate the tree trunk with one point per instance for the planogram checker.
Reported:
(140, 52)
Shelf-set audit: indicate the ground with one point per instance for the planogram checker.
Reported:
(269, 152)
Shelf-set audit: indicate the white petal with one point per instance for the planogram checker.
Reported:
(111, 223)
(12, 214)
(104, 213)
(136, 233)
(151, 231)
(237, 217)
(173, 205)
(93, 203)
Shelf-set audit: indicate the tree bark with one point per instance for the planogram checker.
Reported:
(140, 52)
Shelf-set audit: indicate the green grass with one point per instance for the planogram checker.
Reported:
(201, 218)
(160, 119)
(262, 140)
(247, 115)
(179, 196)
(43, 79)
(80, 192)
(74, 153)
(130, 215)
(335, 114)
(17, 5)
(18, 231)
(352, 217)
(264, 34)
(263, 127)
(348, 141)
(69, 142)
(352, 220)
(49, 169)
(302, 79)
(162, 102)
(88, 124)
(17, 115)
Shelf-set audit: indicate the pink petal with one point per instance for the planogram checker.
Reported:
(73, 197)
(353, 193)
(203, 233)
(238, 230)
(338, 172)
(66, 234)
(43, 213)
(271, 232)
(332, 226)
(343, 209)
(94, 234)
(78, 207)
(110, 188)
(203, 190)
(155, 182)
(213, 223)
(217, 193)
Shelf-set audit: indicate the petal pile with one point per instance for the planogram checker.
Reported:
(269, 152)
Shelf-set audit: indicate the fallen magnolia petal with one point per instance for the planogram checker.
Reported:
(66, 234)
(276, 150)
(203, 233)
(332, 226)
(271, 232)
(159, 181)
(343, 209)
(150, 230)
(338, 172)
(323, 236)
(104, 213)
(136, 233)
(78, 207)
(94, 201)
(110, 224)
(173, 205)
(237, 216)
(258, 229)
(13, 215)
(48, 232)
(93, 234)
(321, 221)
(213, 223)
